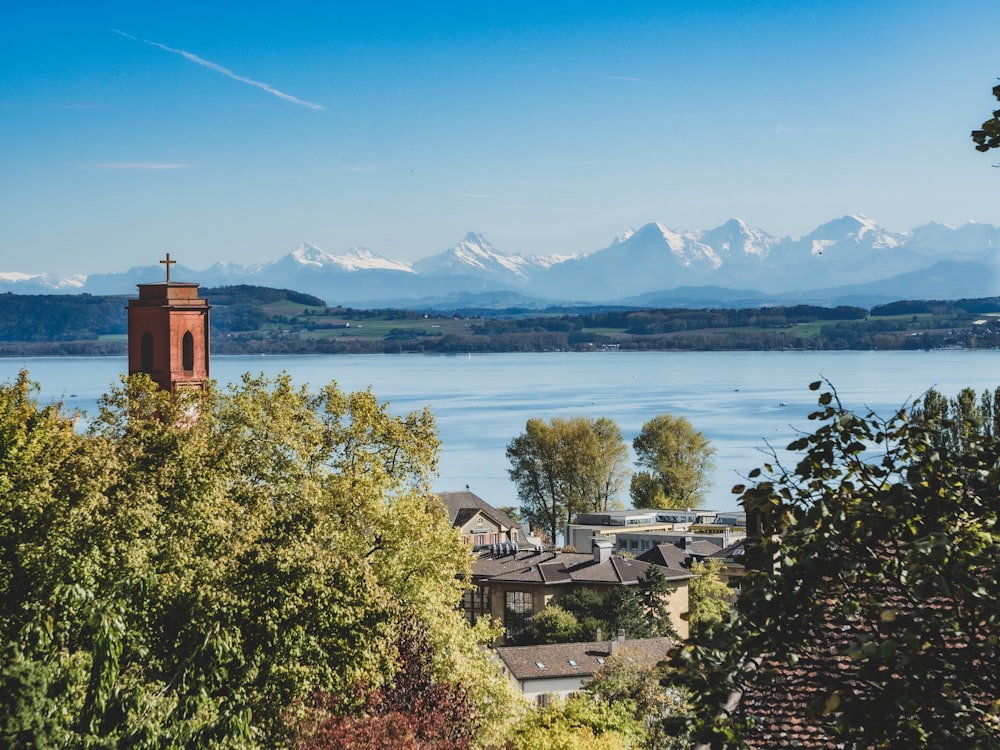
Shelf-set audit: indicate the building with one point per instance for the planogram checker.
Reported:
(561, 669)
(513, 585)
(697, 545)
(479, 523)
(168, 334)
(613, 524)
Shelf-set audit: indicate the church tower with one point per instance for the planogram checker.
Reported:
(168, 334)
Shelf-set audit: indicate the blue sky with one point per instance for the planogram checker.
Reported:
(236, 131)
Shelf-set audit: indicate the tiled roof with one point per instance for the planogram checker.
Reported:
(576, 659)
(463, 505)
(553, 568)
(781, 691)
(733, 551)
(666, 554)
(672, 555)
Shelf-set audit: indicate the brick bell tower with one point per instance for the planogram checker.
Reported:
(168, 334)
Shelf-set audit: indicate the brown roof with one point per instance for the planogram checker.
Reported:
(576, 659)
(734, 551)
(781, 694)
(675, 552)
(463, 505)
(553, 568)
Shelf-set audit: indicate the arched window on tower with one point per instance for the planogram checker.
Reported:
(146, 353)
(187, 355)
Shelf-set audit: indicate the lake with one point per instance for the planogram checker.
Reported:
(741, 401)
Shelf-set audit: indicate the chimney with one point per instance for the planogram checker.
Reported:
(602, 550)
(617, 642)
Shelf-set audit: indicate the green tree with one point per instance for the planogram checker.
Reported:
(639, 611)
(879, 549)
(631, 679)
(988, 136)
(676, 461)
(566, 466)
(557, 625)
(653, 590)
(576, 723)
(587, 606)
(709, 596)
(193, 567)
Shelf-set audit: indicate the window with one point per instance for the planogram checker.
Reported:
(146, 353)
(187, 352)
(476, 603)
(517, 614)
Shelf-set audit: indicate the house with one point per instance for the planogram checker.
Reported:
(680, 552)
(479, 523)
(513, 585)
(561, 669)
(734, 559)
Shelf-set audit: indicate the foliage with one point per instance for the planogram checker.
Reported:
(630, 679)
(60, 317)
(566, 466)
(880, 549)
(653, 589)
(988, 136)
(708, 595)
(577, 723)
(587, 607)
(416, 711)
(556, 625)
(256, 296)
(677, 461)
(249, 320)
(638, 611)
(189, 569)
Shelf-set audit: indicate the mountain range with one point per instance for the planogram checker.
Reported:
(850, 260)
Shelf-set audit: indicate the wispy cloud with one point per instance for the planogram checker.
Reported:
(137, 165)
(225, 71)
(609, 77)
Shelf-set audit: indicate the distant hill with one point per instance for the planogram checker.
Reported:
(249, 319)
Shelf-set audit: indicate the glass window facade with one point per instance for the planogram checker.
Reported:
(518, 613)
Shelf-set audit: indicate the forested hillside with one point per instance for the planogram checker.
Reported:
(248, 319)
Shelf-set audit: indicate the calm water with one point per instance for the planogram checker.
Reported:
(739, 400)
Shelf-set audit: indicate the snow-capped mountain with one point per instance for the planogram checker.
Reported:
(475, 256)
(308, 255)
(41, 283)
(850, 252)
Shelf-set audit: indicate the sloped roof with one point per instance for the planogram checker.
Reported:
(463, 505)
(734, 551)
(554, 568)
(782, 694)
(576, 659)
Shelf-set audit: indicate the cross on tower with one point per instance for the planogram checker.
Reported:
(168, 263)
